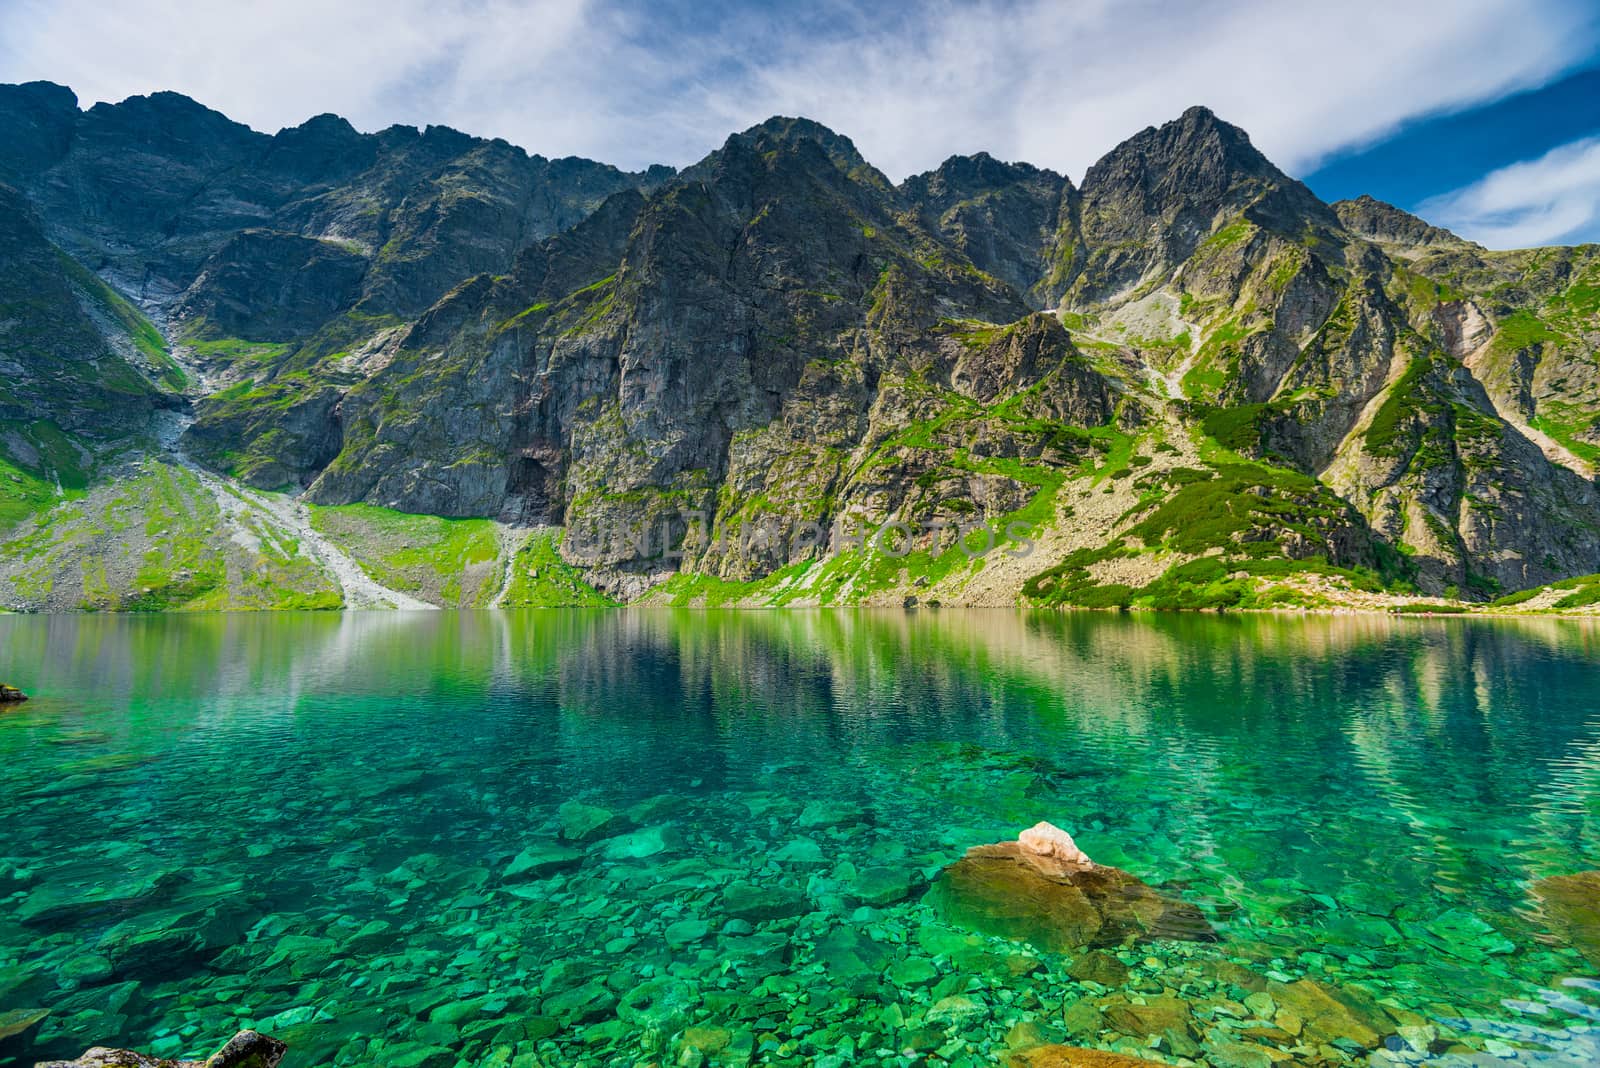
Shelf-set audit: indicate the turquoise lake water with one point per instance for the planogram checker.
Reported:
(634, 837)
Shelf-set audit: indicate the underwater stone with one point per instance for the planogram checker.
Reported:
(581, 1004)
(760, 904)
(584, 823)
(538, 861)
(686, 931)
(958, 1010)
(1098, 966)
(1071, 1057)
(913, 972)
(1571, 907)
(706, 1039)
(84, 968)
(801, 851)
(882, 885)
(16, 1021)
(247, 1049)
(62, 903)
(820, 814)
(1150, 1017)
(663, 1004)
(1330, 1014)
(1003, 890)
(641, 844)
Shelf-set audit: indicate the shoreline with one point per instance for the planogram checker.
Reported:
(646, 605)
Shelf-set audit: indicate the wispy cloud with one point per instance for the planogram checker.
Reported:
(1551, 200)
(1054, 83)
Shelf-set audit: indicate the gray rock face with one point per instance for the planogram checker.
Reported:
(268, 285)
(67, 353)
(1002, 216)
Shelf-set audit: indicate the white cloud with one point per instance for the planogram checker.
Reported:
(1052, 82)
(1544, 201)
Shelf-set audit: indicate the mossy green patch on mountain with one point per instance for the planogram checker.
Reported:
(39, 466)
(1575, 426)
(22, 494)
(1206, 583)
(540, 578)
(444, 561)
(1521, 330)
(1403, 399)
(209, 345)
(156, 539)
(1239, 507)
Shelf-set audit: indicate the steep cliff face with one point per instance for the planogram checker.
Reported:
(777, 377)
(80, 368)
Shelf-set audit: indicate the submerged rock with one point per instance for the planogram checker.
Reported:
(1325, 1013)
(11, 693)
(541, 860)
(585, 823)
(1055, 901)
(1071, 1057)
(15, 1021)
(247, 1049)
(642, 844)
(1571, 905)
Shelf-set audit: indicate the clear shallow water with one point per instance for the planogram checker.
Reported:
(313, 824)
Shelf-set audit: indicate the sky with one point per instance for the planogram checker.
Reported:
(1481, 115)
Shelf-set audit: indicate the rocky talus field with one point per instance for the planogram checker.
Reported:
(327, 368)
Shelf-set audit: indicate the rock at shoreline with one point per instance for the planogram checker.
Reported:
(1055, 901)
(11, 694)
(247, 1049)
(1571, 906)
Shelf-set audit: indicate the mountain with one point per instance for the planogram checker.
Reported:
(469, 375)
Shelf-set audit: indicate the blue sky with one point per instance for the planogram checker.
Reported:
(1483, 115)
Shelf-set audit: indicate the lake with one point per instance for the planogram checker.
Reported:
(619, 837)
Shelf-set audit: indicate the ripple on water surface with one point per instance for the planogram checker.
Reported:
(574, 837)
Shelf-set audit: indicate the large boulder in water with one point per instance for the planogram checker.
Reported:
(11, 693)
(1054, 900)
(1571, 907)
(247, 1049)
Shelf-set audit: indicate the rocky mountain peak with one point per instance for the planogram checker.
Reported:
(171, 119)
(38, 119)
(964, 177)
(1196, 157)
(798, 137)
(1377, 221)
(1148, 203)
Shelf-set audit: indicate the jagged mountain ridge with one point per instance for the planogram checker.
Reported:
(1189, 378)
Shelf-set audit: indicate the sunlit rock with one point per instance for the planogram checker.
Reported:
(1049, 843)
